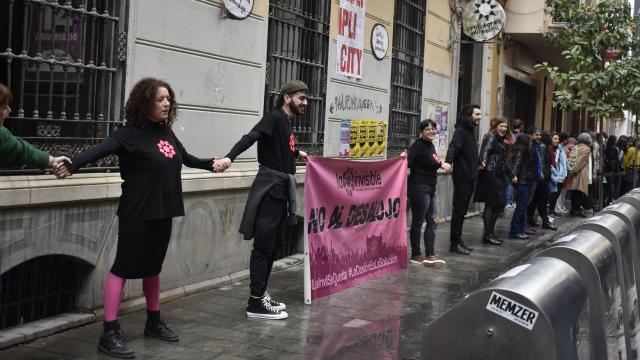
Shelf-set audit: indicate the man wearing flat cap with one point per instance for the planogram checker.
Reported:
(271, 201)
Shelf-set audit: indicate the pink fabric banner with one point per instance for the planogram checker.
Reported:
(356, 221)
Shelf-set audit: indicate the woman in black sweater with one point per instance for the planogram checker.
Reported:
(151, 158)
(424, 164)
(493, 177)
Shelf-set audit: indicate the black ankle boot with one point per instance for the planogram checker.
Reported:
(155, 327)
(112, 341)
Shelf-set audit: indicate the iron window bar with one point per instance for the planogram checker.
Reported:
(60, 60)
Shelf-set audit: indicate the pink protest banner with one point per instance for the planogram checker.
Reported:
(356, 225)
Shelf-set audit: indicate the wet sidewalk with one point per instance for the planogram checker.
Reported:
(378, 319)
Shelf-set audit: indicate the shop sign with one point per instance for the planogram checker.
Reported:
(482, 20)
(379, 41)
(238, 9)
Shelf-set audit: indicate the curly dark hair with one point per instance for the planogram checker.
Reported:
(5, 95)
(142, 100)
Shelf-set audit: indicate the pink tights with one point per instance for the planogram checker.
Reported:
(113, 292)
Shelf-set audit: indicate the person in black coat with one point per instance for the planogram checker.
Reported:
(611, 168)
(493, 177)
(523, 176)
(462, 154)
(424, 163)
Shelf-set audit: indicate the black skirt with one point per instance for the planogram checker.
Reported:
(142, 246)
(491, 188)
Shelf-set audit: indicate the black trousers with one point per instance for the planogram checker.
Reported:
(267, 240)
(579, 200)
(462, 192)
(540, 201)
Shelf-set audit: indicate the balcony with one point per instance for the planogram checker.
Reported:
(526, 24)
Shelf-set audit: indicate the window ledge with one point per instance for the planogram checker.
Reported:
(40, 190)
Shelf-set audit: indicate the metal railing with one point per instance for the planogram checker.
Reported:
(298, 47)
(39, 288)
(61, 59)
(406, 74)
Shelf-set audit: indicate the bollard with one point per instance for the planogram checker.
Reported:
(529, 312)
(593, 257)
(615, 230)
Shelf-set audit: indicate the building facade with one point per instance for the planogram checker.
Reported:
(71, 63)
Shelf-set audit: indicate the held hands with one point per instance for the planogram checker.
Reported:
(59, 166)
(302, 155)
(446, 167)
(514, 180)
(222, 164)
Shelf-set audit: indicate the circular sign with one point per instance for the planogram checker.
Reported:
(238, 9)
(379, 41)
(482, 20)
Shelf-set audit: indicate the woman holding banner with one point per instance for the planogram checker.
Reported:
(424, 164)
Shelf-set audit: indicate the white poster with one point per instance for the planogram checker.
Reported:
(350, 41)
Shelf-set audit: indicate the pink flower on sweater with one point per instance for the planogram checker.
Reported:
(166, 149)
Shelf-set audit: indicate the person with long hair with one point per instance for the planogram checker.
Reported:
(424, 162)
(493, 177)
(151, 159)
(523, 171)
(14, 151)
(562, 157)
(558, 171)
(462, 154)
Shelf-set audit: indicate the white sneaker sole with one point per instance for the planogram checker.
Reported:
(436, 263)
(279, 316)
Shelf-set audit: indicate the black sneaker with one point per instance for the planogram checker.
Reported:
(276, 304)
(155, 327)
(112, 343)
(262, 309)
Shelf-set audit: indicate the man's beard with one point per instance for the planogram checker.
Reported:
(295, 109)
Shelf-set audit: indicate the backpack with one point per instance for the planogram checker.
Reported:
(573, 158)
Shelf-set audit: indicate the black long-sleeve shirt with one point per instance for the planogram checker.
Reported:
(151, 159)
(424, 163)
(276, 144)
(463, 154)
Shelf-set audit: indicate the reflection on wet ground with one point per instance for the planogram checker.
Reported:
(378, 319)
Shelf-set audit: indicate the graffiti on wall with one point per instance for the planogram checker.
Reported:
(352, 102)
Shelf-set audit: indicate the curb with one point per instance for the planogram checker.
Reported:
(48, 326)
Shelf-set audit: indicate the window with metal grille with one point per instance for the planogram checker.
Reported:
(298, 48)
(61, 60)
(39, 288)
(406, 74)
